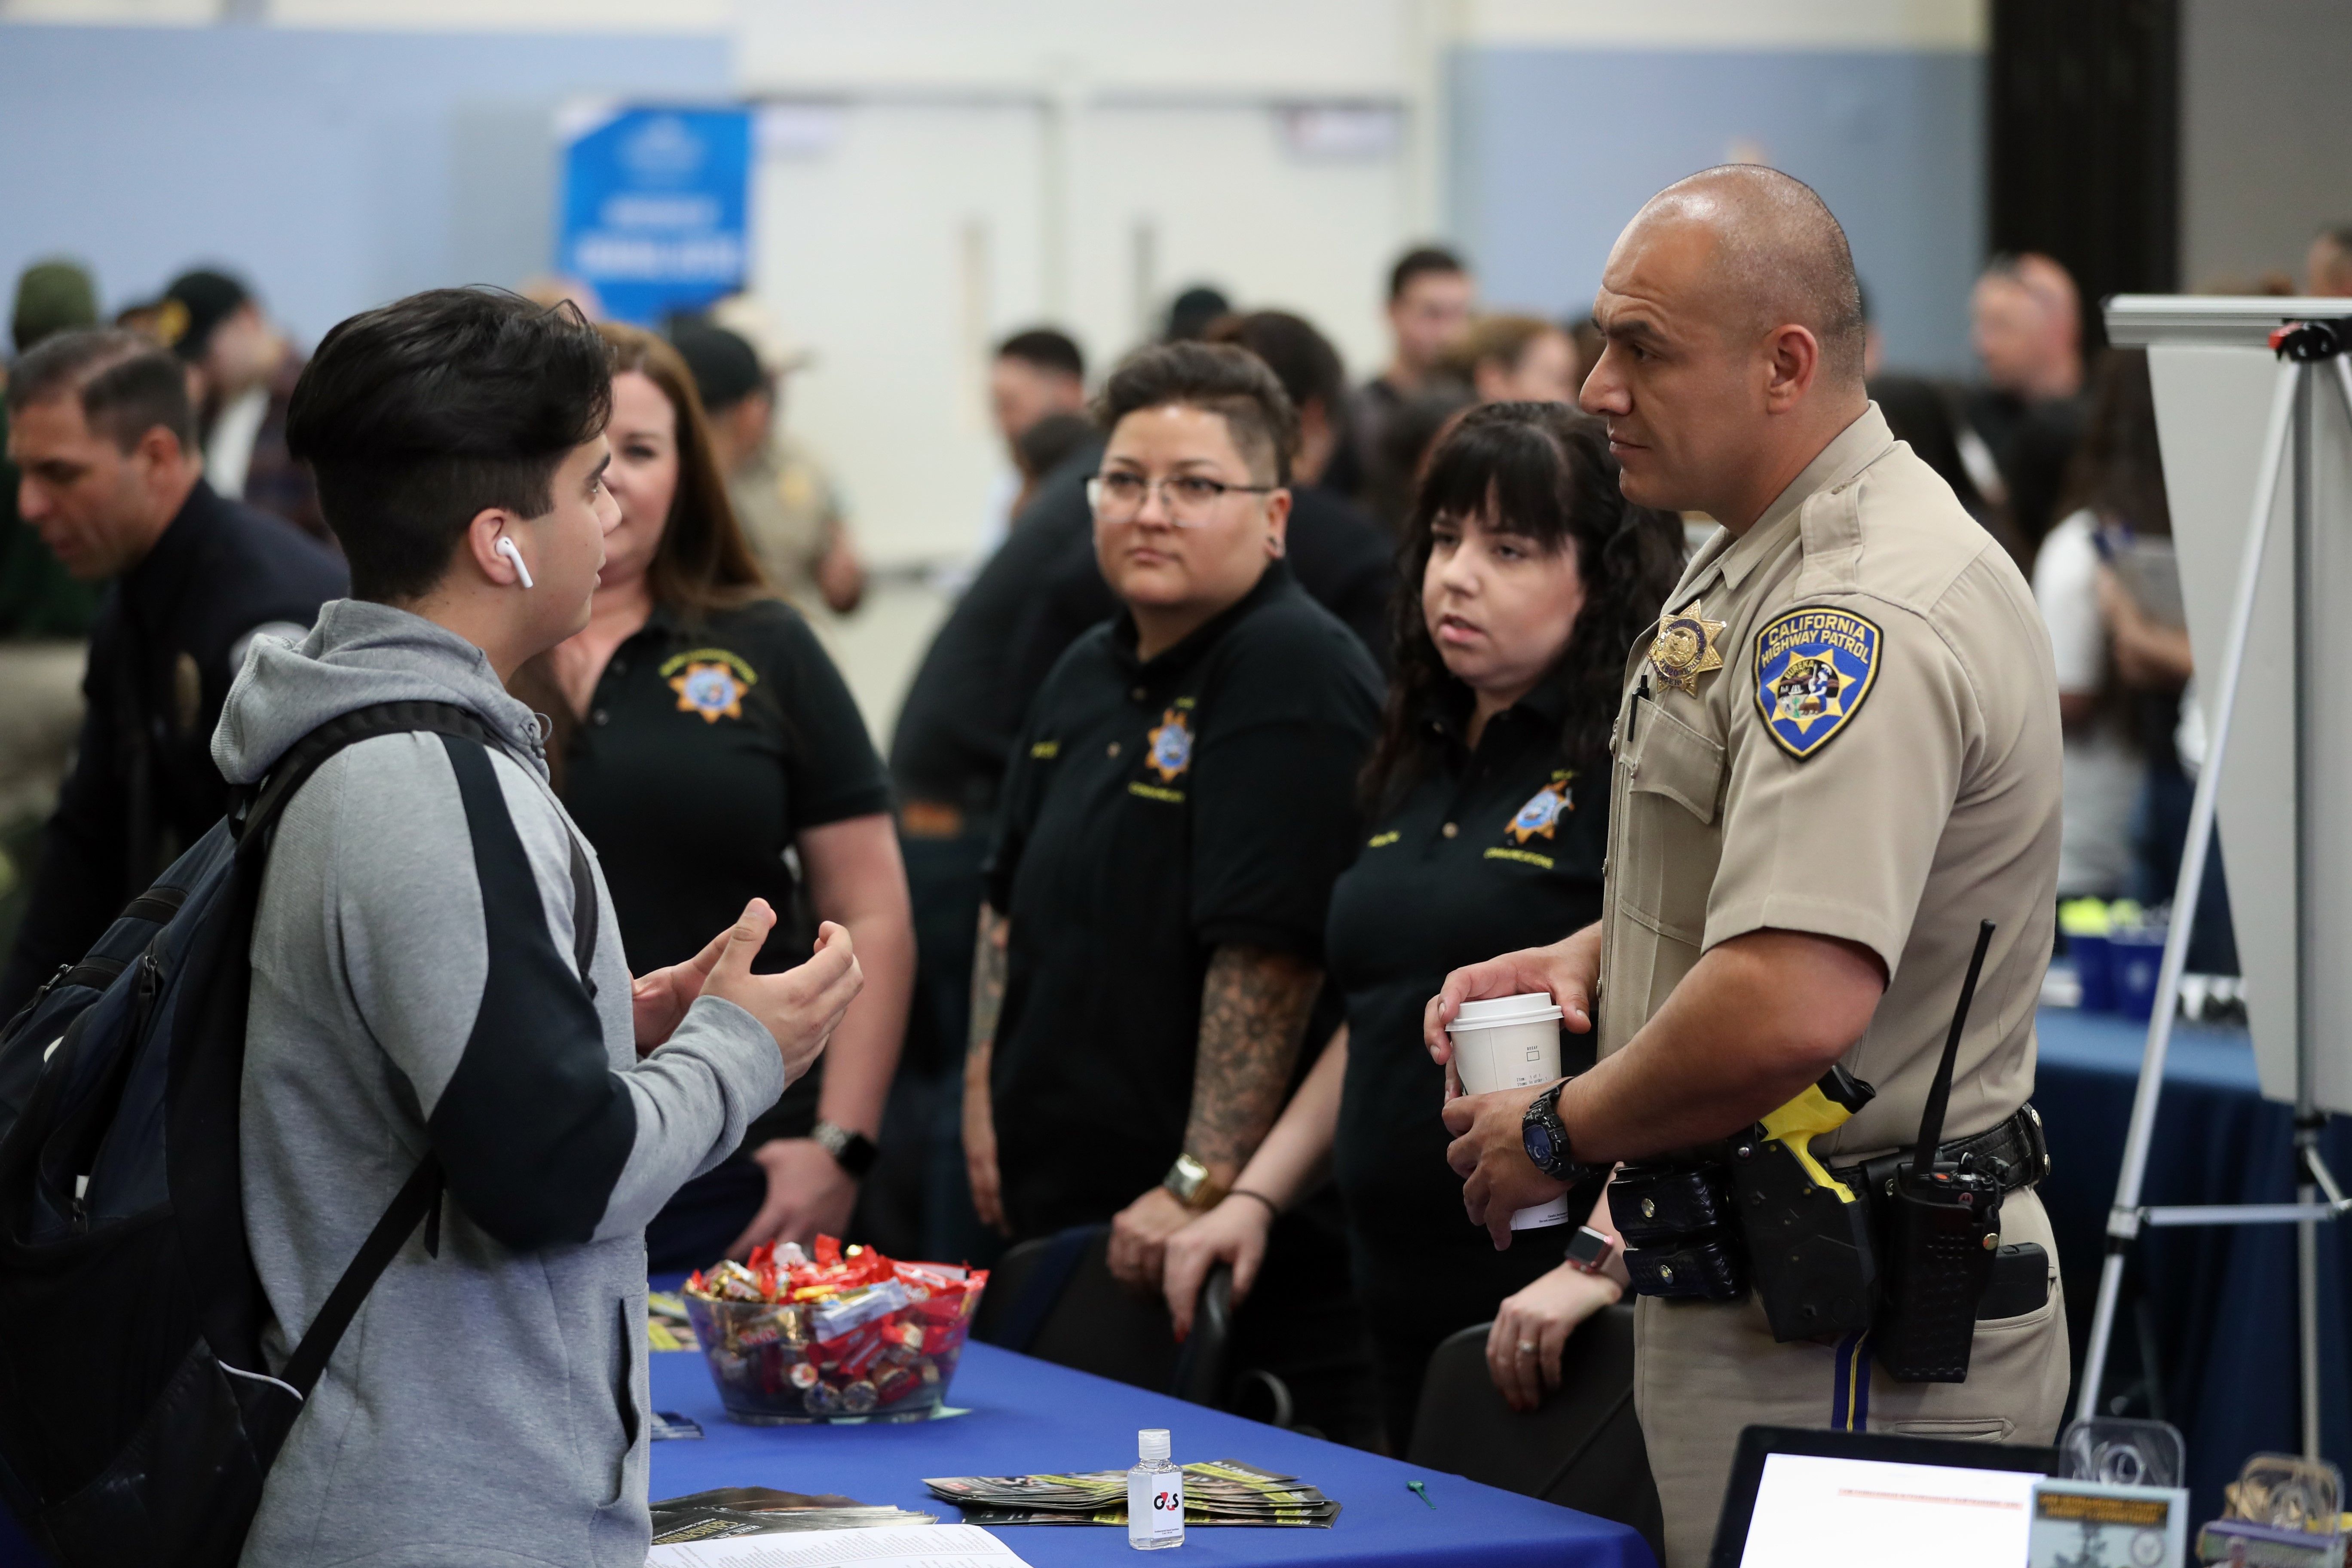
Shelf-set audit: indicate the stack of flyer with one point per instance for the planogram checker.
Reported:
(1221, 1491)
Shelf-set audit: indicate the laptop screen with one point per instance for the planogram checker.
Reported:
(1814, 1510)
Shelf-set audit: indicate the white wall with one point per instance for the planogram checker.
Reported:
(2265, 141)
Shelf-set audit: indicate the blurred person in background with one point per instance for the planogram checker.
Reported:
(948, 752)
(2327, 263)
(1046, 446)
(2108, 585)
(707, 747)
(1192, 312)
(1921, 414)
(100, 428)
(1179, 804)
(2027, 328)
(2117, 499)
(44, 617)
(1038, 372)
(1405, 442)
(246, 371)
(1035, 373)
(1515, 359)
(1431, 293)
(783, 501)
(1530, 581)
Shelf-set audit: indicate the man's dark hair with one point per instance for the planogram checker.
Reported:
(126, 382)
(1219, 378)
(1047, 349)
(724, 366)
(420, 413)
(1301, 358)
(1420, 262)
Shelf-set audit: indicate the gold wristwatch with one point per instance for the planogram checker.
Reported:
(1192, 1184)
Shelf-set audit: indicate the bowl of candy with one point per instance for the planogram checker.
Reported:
(845, 1334)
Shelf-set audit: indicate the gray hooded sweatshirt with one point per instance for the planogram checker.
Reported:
(414, 989)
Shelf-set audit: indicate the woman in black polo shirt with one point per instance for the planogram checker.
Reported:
(1488, 799)
(1179, 803)
(707, 747)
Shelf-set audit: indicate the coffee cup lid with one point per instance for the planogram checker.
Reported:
(1534, 1007)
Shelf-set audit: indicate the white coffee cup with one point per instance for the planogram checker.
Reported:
(1511, 1042)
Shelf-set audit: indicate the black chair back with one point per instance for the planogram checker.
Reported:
(1053, 1298)
(1582, 1449)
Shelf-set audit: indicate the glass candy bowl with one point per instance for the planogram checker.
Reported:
(877, 1341)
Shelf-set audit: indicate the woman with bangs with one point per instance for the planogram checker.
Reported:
(1529, 581)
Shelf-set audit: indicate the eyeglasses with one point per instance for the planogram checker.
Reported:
(1188, 500)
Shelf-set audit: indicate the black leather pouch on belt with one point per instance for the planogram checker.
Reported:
(1809, 1235)
(1675, 1219)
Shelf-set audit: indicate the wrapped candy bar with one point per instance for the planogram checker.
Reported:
(832, 1333)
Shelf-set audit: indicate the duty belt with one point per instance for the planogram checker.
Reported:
(2012, 1153)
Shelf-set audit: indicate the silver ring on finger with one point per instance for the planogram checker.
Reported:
(1527, 1347)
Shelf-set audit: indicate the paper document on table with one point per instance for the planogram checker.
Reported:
(888, 1546)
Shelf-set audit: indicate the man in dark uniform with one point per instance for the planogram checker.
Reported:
(101, 427)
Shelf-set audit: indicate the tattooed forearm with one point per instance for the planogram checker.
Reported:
(1254, 1007)
(988, 964)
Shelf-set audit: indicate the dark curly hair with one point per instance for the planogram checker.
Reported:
(1543, 470)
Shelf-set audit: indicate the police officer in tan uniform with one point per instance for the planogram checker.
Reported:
(1840, 753)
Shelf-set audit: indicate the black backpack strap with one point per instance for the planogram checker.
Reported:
(307, 756)
(419, 1196)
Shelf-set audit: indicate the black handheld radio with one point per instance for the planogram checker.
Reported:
(1943, 1229)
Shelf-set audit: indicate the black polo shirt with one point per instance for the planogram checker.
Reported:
(1490, 851)
(706, 751)
(1156, 810)
(171, 635)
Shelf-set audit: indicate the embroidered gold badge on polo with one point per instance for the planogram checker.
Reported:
(711, 681)
(1685, 648)
(1540, 817)
(1171, 746)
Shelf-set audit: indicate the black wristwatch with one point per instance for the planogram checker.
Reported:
(853, 1151)
(1546, 1140)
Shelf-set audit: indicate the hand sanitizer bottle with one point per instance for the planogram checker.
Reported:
(1155, 1494)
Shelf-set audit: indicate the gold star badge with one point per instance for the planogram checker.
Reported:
(1685, 648)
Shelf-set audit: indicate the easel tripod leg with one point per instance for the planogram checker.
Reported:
(2123, 1219)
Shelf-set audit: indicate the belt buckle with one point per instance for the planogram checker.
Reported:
(930, 819)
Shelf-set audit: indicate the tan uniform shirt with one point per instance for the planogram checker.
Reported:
(1876, 759)
(788, 511)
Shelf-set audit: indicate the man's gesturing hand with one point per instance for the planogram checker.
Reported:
(802, 1005)
(1489, 1154)
(1568, 969)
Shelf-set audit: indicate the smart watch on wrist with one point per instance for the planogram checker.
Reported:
(1589, 1250)
(853, 1151)
(1190, 1182)
(1546, 1140)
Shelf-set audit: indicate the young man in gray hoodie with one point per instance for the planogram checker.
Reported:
(414, 988)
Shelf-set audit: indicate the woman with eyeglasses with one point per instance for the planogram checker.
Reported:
(1487, 806)
(1179, 803)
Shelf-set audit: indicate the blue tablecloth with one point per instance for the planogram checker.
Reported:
(1030, 1415)
(2214, 1307)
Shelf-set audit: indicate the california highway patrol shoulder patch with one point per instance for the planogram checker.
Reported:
(1813, 668)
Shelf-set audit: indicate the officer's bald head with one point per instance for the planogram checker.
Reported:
(1777, 256)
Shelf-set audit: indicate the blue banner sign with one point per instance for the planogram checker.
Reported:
(656, 203)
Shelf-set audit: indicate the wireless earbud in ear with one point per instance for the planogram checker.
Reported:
(506, 547)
